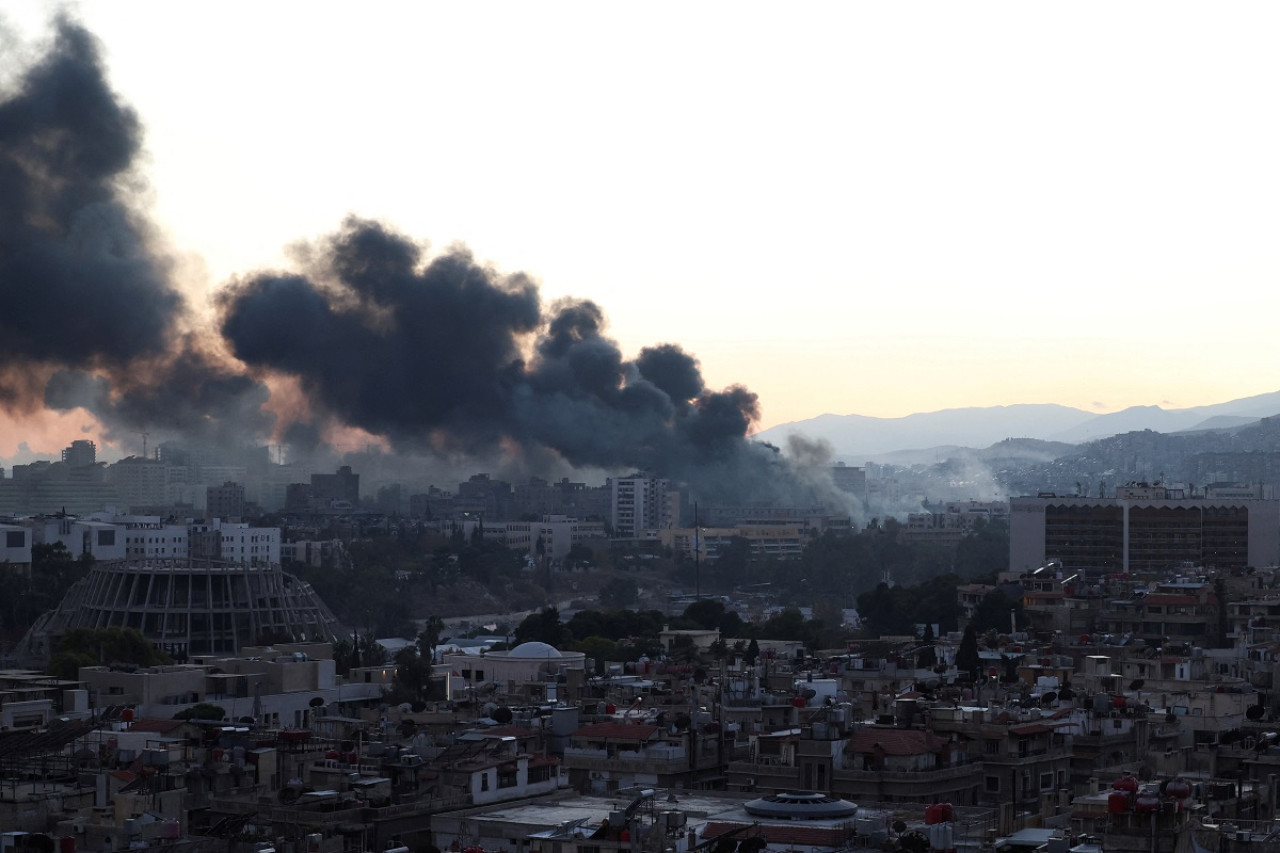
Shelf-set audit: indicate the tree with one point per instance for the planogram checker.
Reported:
(618, 593)
(992, 613)
(599, 650)
(542, 627)
(103, 647)
(985, 549)
(413, 674)
(429, 637)
(705, 613)
(202, 711)
(928, 656)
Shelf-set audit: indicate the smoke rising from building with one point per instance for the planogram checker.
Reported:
(431, 354)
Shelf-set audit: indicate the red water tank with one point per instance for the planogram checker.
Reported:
(1118, 802)
(798, 702)
(932, 814)
(1179, 789)
(1126, 783)
(67, 844)
(611, 708)
(127, 715)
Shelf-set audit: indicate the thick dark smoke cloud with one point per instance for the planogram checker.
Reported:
(433, 354)
(446, 353)
(80, 285)
(89, 300)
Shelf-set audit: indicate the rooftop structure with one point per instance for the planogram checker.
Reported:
(189, 610)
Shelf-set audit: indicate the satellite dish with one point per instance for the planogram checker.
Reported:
(1136, 684)
(316, 701)
(1255, 712)
(502, 714)
(1049, 698)
(809, 693)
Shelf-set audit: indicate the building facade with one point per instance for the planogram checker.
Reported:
(1142, 532)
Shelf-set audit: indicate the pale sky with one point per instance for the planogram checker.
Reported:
(854, 208)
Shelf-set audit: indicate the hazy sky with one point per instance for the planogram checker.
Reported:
(871, 208)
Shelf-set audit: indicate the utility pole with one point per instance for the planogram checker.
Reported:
(697, 557)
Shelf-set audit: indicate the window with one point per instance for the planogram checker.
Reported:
(993, 784)
(106, 538)
(15, 539)
(1046, 781)
(991, 747)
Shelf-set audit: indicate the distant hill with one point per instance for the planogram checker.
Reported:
(1242, 411)
(920, 437)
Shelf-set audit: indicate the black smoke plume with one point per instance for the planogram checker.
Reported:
(444, 353)
(432, 354)
(92, 317)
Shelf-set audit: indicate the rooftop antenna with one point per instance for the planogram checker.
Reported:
(144, 444)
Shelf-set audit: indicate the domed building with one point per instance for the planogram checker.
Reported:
(532, 671)
(190, 610)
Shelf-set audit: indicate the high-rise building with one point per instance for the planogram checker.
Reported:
(80, 453)
(642, 503)
(342, 486)
(225, 501)
(1142, 530)
(141, 483)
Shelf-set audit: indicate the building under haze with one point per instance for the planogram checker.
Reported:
(1143, 529)
(641, 503)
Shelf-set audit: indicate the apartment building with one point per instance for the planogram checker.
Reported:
(639, 503)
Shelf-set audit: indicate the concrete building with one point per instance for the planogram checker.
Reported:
(639, 503)
(1142, 531)
(15, 547)
(81, 453)
(557, 533)
(537, 672)
(225, 501)
(103, 541)
(141, 483)
(236, 542)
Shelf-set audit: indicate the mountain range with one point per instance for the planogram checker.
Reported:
(855, 439)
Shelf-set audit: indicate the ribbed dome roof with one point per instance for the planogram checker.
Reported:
(534, 649)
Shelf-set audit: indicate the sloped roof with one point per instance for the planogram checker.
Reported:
(895, 741)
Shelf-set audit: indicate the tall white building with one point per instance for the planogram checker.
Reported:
(639, 503)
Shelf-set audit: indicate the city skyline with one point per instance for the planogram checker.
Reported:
(870, 211)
